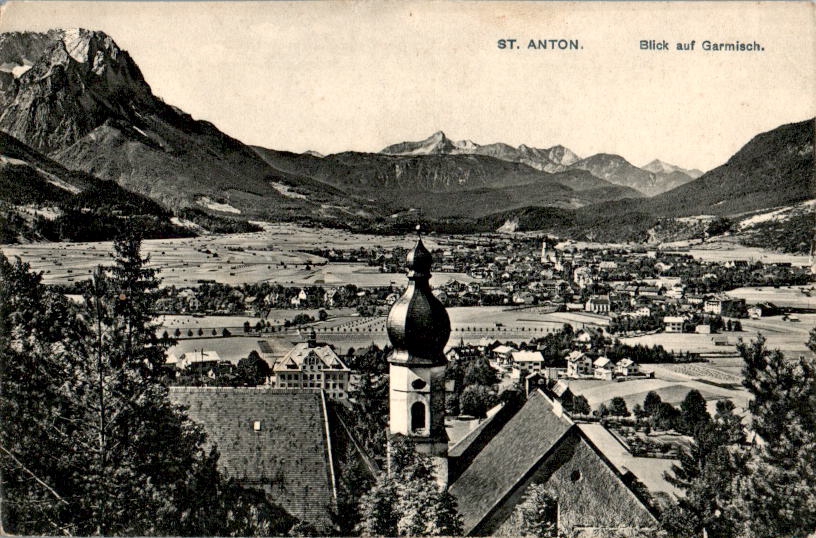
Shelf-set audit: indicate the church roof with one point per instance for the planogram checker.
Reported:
(507, 458)
(275, 440)
(538, 437)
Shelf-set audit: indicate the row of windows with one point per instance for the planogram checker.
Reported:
(296, 377)
(312, 385)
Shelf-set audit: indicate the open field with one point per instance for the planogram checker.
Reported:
(273, 255)
(671, 385)
(787, 296)
(723, 250)
(787, 336)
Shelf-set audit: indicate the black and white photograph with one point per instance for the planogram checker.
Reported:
(422, 268)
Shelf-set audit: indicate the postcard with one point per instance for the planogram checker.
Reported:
(424, 268)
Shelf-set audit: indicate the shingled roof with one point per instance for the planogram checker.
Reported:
(275, 440)
(503, 463)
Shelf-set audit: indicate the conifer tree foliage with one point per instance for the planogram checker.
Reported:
(537, 514)
(765, 488)
(89, 441)
(408, 501)
(34, 422)
(779, 494)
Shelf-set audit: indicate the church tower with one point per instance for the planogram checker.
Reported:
(418, 327)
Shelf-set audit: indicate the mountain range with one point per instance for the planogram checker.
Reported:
(661, 177)
(84, 111)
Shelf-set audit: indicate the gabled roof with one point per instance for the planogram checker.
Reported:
(502, 464)
(298, 354)
(560, 388)
(529, 442)
(602, 362)
(289, 456)
(576, 356)
(527, 356)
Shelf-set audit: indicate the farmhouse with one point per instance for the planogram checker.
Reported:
(762, 310)
(674, 324)
(531, 361)
(578, 364)
(723, 305)
(627, 367)
(504, 353)
(603, 368)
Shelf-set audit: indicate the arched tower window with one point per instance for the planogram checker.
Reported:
(417, 417)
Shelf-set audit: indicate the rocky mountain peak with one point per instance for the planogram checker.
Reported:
(71, 82)
(661, 167)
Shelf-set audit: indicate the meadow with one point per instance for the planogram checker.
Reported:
(273, 255)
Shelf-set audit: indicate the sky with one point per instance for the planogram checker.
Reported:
(336, 76)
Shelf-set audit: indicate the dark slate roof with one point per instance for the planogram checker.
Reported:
(518, 447)
(290, 457)
(461, 455)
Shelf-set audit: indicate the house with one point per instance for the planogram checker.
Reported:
(299, 299)
(598, 305)
(441, 295)
(643, 312)
(503, 353)
(674, 324)
(463, 352)
(694, 299)
(330, 297)
(524, 297)
(531, 361)
(603, 368)
(703, 328)
(762, 310)
(282, 442)
(648, 291)
(309, 366)
(627, 367)
(723, 305)
(583, 277)
(578, 364)
(199, 362)
(561, 391)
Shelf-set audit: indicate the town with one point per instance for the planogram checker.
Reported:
(635, 347)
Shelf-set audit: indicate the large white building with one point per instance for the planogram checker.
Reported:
(312, 366)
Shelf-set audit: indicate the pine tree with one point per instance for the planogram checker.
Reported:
(693, 411)
(407, 501)
(89, 440)
(34, 424)
(707, 473)
(779, 494)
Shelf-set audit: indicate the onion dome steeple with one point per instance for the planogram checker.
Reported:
(418, 324)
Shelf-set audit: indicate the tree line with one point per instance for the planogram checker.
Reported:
(90, 442)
